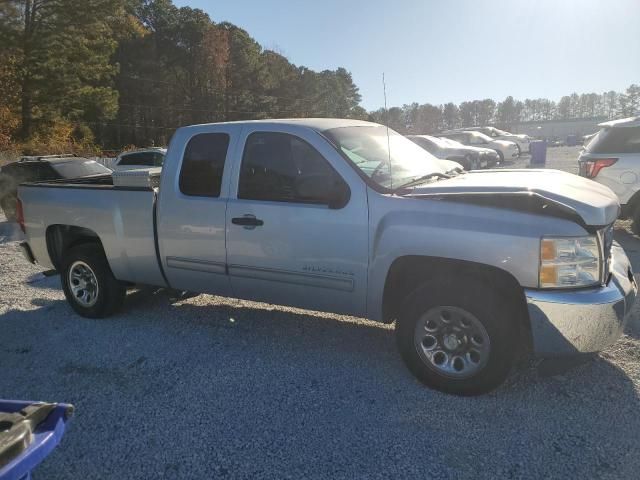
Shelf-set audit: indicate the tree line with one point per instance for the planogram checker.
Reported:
(88, 74)
(428, 118)
(119, 72)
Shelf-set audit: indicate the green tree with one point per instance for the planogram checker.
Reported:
(451, 115)
(63, 50)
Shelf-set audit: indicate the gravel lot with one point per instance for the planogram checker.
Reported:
(211, 387)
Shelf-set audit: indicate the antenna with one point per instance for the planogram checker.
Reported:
(386, 111)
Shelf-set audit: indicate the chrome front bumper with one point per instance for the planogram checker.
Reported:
(565, 322)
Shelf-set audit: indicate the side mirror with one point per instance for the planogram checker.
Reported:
(320, 188)
(339, 195)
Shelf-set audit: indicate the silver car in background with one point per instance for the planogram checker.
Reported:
(521, 140)
(143, 158)
(506, 150)
(471, 158)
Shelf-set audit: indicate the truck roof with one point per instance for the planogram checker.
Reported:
(319, 124)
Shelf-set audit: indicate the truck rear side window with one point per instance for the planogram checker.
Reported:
(203, 164)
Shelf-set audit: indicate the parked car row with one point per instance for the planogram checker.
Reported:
(475, 147)
(470, 158)
(506, 150)
(521, 140)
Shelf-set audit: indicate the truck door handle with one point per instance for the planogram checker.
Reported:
(247, 221)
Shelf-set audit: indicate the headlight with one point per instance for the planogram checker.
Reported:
(569, 262)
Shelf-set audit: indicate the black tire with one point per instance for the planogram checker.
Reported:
(635, 220)
(500, 156)
(519, 150)
(488, 307)
(9, 205)
(110, 292)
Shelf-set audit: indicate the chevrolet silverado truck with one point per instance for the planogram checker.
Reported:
(350, 217)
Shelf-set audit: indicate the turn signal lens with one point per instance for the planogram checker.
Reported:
(548, 275)
(548, 250)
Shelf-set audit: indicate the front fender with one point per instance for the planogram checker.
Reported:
(503, 239)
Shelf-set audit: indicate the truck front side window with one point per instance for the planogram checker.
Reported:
(279, 167)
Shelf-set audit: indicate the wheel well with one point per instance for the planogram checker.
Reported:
(409, 272)
(61, 238)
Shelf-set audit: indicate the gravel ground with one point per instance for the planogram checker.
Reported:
(211, 387)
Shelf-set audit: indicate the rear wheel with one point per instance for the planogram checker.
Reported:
(459, 340)
(88, 283)
(500, 156)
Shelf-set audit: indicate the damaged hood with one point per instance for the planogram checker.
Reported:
(594, 203)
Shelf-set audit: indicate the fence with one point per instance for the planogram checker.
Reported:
(106, 161)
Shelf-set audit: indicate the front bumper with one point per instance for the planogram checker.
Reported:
(567, 322)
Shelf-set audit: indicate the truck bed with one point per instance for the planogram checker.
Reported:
(123, 218)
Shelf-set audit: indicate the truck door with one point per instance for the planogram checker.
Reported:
(191, 209)
(289, 241)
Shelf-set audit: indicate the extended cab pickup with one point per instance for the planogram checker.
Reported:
(349, 217)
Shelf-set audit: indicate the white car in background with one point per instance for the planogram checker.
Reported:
(612, 158)
(523, 141)
(506, 150)
(136, 159)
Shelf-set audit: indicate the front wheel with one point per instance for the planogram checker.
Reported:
(500, 156)
(88, 283)
(460, 340)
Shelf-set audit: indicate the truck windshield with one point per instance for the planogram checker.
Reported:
(389, 162)
(79, 168)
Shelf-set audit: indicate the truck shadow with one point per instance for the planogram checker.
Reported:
(329, 389)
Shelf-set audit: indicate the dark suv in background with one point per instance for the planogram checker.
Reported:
(33, 169)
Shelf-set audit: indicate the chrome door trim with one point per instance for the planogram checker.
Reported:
(297, 278)
(196, 265)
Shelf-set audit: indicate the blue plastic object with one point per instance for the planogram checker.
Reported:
(46, 437)
(538, 151)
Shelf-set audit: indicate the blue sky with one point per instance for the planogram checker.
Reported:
(439, 51)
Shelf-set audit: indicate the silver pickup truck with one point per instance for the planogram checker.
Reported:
(349, 217)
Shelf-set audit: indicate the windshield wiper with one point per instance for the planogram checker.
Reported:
(419, 180)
